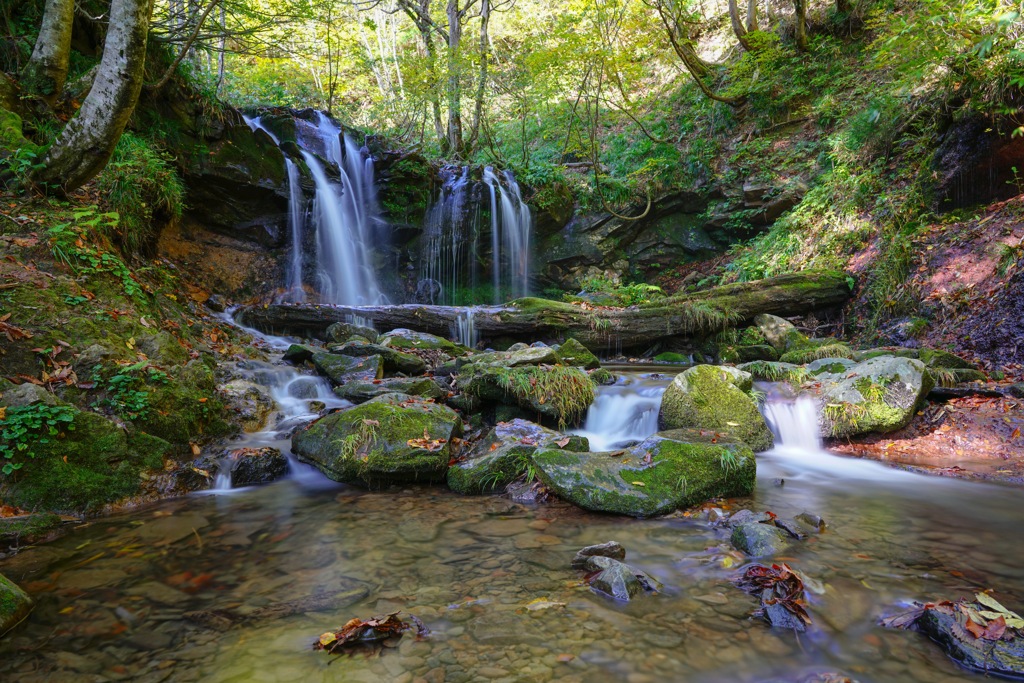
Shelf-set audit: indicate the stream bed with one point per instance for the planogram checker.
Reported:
(491, 580)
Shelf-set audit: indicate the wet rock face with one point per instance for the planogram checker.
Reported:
(393, 360)
(976, 163)
(342, 369)
(391, 439)
(715, 398)
(667, 471)
(360, 392)
(343, 332)
(15, 604)
(504, 454)
(250, 401)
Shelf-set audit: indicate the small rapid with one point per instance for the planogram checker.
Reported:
(625, 412)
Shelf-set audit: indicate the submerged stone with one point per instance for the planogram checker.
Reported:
(664, 472)
(715, 398)
(504, 454)
(618, 579)
(391, 439)
(759, 540)
(610, 549)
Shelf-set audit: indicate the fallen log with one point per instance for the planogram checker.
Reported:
(531, 319)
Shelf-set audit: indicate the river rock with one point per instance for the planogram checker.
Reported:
(394, 361)
(15, 604)
(781, 334)
(610, 549)
(253, 466)
(666, 471)
(759, 540)
(360, 392)
(618, 579)
(391, 439)
(748, 353)
(935, 358)
(342, 369)
(571, 352)
(877, 395)
(25, 395)
(715, 398)
(249, 401)
(343, 332)
(298, 353)
(559, 394)
(407, 340)
(504, 454)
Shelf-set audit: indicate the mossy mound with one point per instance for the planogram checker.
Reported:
(773, 371)
(715, 398)
(504, 454)
(343, 332)
(573, 353)
(88, 464)
(15, 605)
(817, 349)
(186, 408)
(672, 357)
(556, 393)
(391, 439)
(935, 358)
(408, 341)
(748, 353)
(667, 471)
(877, 395)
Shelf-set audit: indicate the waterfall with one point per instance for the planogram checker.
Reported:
(296, 220)
(511, 225)
(449, 235)
(794, 423)
(465, 328)
(348, 220)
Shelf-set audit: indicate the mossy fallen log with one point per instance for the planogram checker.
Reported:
(532, 319)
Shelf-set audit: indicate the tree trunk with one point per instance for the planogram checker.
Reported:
(531, 320)
(481, 86)
(800, 19)
(738, 27)
(455, 142)
(697, 67)
(84, 147)
(752, 15)
(47, 68)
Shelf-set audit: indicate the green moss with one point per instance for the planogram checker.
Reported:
(672, 357)
(94, 464)
(776, 371)
(564, 393)
(825, 349)
(15, 605)
(186, 409)
(573, 353)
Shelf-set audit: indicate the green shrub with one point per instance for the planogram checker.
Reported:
(23, 428)
(141, 184)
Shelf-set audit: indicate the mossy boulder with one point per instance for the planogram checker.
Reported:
(298, 353)
(816, 349)
(254, 466)
(391, 439)
(249, 402)
(666, 471)
(672, 357)
(778, 332)
(344, 369)
(877, 395)
(15, 605)
(343, 332)
(557, 393)
(774, 371)
(715, 398)
(360, 392)
(394, 361)
(571, 352)
(935, 358)
(503, 455)
(89, 463)
(187, 408)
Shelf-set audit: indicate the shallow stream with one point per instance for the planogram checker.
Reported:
(491, 580)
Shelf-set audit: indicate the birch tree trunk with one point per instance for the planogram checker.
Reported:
(47, 68)
(84, 147)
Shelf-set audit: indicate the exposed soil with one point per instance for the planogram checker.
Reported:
(969, 438)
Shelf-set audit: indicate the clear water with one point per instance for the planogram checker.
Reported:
(113, 594)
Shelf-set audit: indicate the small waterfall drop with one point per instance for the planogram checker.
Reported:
(511, 225)
(465, 328)
(794, 423)
(624, 413)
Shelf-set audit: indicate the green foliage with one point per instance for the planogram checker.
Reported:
(142, 185)
(23, 428)
(126, 389)
(618, 294)
(78, 244)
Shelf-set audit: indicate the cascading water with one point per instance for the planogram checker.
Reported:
(511, 225)
(465, 328)
(624, 413)
(348, 220)
(794, 423)
(450, 238)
